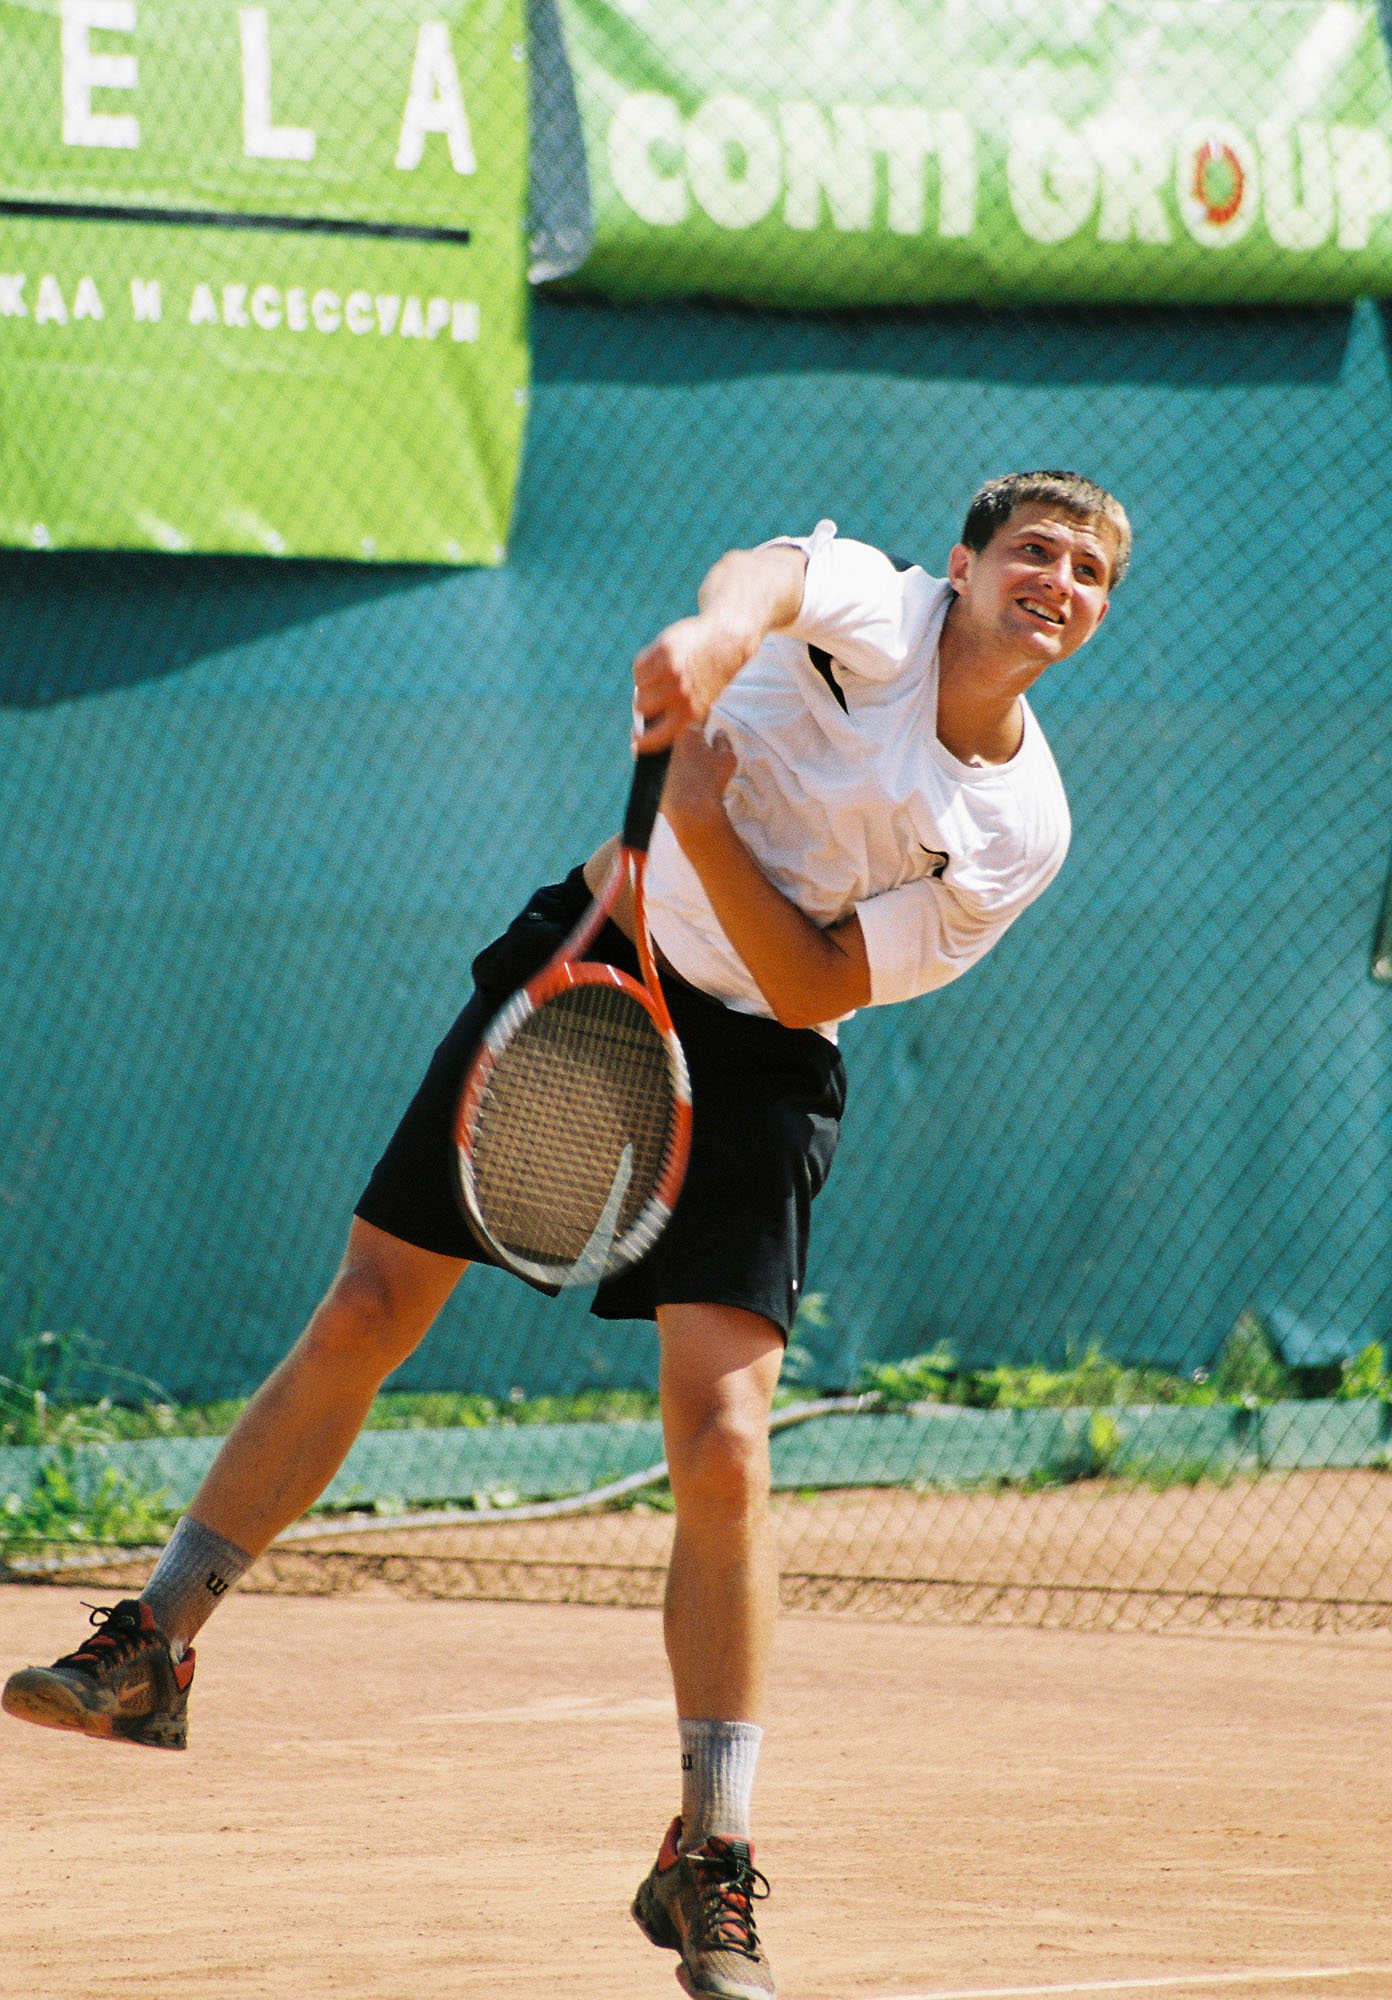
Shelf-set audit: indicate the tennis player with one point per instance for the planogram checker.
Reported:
(860, 802)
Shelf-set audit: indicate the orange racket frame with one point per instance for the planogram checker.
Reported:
(566, 969)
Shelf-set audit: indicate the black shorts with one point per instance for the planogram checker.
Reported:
(766, 1101)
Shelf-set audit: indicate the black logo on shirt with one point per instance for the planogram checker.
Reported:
(821, 660)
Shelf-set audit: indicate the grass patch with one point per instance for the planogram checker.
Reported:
(68, 1506)
(443, 1409)
(41, 1369)
(74, 1500)
(46, 1400)
(1249, 1371)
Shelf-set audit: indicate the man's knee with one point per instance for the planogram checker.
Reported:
(358, 1322)
(381, 1303)
(720, 1464)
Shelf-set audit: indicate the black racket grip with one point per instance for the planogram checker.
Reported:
(644, 798)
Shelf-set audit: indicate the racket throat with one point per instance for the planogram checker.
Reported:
(593, 1261)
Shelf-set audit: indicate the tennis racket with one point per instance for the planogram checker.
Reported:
(574, 1121)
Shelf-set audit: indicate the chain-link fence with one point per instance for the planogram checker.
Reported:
(1102, 1283)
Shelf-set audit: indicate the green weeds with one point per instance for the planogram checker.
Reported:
(1248, 1371)
(71, 1503)
(408, 1409)
(42, 1371)
(48, 1378)
(1367, 1375)
(74, 1497)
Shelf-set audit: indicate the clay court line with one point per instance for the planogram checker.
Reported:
(1170, 1982)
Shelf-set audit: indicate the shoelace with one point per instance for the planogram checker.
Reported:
(118, 1633)
(728, 1885)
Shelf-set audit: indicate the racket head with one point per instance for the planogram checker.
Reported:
(574, 1126)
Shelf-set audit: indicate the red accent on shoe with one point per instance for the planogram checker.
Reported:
(102, 1640)
(728, 1885)
(183, 1669)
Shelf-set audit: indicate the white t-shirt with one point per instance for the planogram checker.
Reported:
(862, 809)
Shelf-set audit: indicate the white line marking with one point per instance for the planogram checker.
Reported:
(1170, 1982)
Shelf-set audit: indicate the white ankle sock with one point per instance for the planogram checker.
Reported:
(197, 1569)
(718, 1761)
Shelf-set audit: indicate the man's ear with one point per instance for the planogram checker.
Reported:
(959, 566)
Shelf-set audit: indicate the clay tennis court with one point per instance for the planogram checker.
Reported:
(388, 1798)
(1302, 1548)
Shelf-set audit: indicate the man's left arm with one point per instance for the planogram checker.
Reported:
(806, 975)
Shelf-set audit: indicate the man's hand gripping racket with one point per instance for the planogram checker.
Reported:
(574, 1122)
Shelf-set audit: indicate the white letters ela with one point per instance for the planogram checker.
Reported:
(85, 70)
(261, 140)
(435, 103)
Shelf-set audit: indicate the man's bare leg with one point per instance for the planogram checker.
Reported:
(132, 1679)
(296, 1431)
(720, 1368)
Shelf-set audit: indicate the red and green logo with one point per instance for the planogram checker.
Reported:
(1219, 182)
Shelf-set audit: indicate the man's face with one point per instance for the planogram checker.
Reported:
(1039, 587)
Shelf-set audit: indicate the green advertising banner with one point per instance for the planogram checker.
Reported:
(262, 276)
(873, 152)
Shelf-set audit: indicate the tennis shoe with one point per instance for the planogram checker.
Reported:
(701, 1904)
(123, 1683)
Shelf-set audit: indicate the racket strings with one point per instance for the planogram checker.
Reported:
(574, 1129)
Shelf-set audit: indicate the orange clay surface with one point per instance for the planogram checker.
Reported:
(405, 1800)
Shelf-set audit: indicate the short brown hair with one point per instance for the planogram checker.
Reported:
(1083, 499)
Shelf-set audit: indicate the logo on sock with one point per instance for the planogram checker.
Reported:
(686, 1760)
(216, 1584)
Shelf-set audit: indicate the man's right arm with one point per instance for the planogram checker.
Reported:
(676, 680)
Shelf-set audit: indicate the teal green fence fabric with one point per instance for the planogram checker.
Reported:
(257, 815)
(256, 818)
